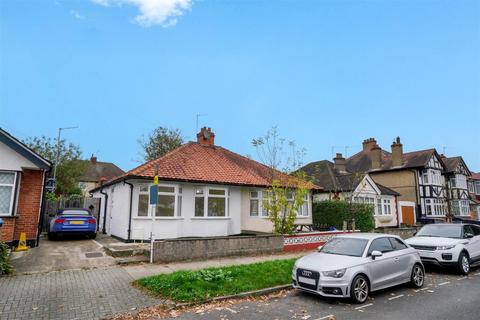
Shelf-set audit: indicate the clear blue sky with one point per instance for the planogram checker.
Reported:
(327, 73)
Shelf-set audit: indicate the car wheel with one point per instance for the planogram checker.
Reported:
(463, 264)
(93, 236)
(359, 289)
(418, 276)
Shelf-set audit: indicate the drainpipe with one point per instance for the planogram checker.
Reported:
(129, 231)
(42, 209)
(104, 231)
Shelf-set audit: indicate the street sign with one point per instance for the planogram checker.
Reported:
(154, 194)
(155, 180)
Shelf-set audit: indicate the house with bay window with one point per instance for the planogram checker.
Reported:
(474, 193)
(204, 190)
(338, 183)
(456, 175)
(22, 177)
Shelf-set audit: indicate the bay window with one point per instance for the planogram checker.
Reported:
(7, 193)
(211, 202)
(387, 209)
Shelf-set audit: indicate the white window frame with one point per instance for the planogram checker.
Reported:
(262, 195)
(12, 197)
(151, 212)
(206, 195)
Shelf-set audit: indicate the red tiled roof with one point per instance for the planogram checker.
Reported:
(193, 162)
(475, 176)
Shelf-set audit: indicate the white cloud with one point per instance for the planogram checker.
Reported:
(153, 12)
(76, 14)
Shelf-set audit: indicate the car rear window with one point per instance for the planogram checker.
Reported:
(75, 212)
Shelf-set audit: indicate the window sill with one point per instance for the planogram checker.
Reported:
(158, 218)
(303, 217)
(210, 218)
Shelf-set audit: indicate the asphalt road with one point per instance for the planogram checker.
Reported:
(444, 296)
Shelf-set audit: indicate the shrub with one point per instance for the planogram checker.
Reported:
(332, 213)
(5, 264)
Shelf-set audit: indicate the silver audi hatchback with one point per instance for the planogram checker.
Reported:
(353, 265)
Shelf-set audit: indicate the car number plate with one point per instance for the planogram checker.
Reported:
(306, 280)
(76, 222)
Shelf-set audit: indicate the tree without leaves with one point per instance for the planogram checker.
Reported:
(159, 142)
(69, 168)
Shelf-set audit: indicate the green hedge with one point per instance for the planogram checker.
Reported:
(332, 213)
(5, 265)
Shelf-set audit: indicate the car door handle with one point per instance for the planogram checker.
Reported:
(396, 259)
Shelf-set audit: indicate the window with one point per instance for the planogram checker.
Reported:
(386, 207)
(461, 181)
(379, 206)
(425, 176)
(7, 192)
(477, 187)
(468, 230)
(397, 244)
(169, 202)
(254, 204)
(212, 201)
(476, 230)
(428, 207)
(381, 244)
(303, 212)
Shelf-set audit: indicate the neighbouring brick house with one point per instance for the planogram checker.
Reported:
(22, 177)
(96, 172)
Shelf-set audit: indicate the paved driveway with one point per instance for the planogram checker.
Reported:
(72, 294)
(68, 253)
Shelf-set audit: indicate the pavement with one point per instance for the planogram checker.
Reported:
(445, 296)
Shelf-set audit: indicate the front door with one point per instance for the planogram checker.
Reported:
(408, 215)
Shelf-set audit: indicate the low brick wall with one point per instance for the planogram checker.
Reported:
(204, 248)
(308, 241)
(403, 233)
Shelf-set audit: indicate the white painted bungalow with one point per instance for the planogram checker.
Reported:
(204, 190)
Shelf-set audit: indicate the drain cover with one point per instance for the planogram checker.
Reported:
(93, 254)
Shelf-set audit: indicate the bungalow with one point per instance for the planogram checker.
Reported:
(338, 183)
(22, 180)
(204, 190)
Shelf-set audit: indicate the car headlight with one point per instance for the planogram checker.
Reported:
(445, 247)
(335, 273)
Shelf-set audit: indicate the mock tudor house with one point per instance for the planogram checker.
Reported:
(204, 190)
(456, 175)
(95, 173)
(474, 193)
(338, 183)
(22, 179)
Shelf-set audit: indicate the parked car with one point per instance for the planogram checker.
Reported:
(72, 221)
(448, 244)
(356, 264)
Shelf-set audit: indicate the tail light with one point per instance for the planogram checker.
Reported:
(92, 221)
(59, 221)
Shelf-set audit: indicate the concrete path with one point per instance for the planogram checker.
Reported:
(72, 294)
(145, 270)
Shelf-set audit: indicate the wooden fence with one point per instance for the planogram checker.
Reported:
(52, 206)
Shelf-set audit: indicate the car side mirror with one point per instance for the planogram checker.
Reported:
(376, 254)
(319, 248)
(468, 235)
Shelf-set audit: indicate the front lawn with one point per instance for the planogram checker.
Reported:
(192, 286)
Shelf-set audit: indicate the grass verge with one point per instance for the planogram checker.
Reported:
(195, 286)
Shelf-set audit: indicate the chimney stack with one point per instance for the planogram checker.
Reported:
(339, 163)
(368, 144)
(93, 159)
(376, 156)
(397, 153)
(206, 137)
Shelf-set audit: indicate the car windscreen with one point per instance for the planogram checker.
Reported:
(73, 212)
(345, 246)
(444, 231)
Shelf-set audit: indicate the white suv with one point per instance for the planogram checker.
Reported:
(448, 244)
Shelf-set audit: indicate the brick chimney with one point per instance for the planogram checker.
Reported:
(397, 153)
(93, 159)
(368, 144)
(206, 137)
(376, 156)
(339, 163)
